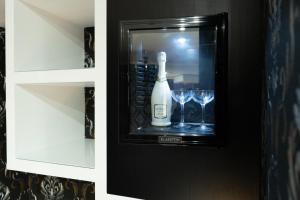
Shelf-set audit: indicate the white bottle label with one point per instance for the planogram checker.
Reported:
(160, 111)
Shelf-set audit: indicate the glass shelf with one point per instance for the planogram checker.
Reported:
(192, 129)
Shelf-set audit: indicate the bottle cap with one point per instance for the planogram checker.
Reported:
(161, 57)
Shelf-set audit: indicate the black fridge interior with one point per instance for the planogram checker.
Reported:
(180, 100)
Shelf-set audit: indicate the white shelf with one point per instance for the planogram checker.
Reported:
(73, 153)
(48, 116)
(80, 77)
(46, 83)
(50, 169)
(46, 124)
(52, 33)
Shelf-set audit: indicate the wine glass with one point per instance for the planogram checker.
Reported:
(182, 96)
(203, 97)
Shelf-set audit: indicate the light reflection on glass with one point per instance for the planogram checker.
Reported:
(181, 42)
(190, 65)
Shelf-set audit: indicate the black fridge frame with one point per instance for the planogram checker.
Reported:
(220, 22)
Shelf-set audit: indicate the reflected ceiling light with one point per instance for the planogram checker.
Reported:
(182, 28)
(181, 42)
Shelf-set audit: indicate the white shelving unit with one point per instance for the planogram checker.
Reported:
(45, 89)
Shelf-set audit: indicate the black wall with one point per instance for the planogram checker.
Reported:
(185, 173)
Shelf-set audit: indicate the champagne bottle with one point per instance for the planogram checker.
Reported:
(161, 99)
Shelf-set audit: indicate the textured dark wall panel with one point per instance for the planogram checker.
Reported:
(23, 186)
(90, 112)
(89, 47)
(282, 109)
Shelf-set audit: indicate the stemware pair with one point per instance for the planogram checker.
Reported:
(202, 97)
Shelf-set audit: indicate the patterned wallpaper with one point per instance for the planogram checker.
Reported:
(282, 103)
(23, 186)
(89, 62)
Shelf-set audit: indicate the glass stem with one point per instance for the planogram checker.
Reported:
(182, 114)
(203, 111)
